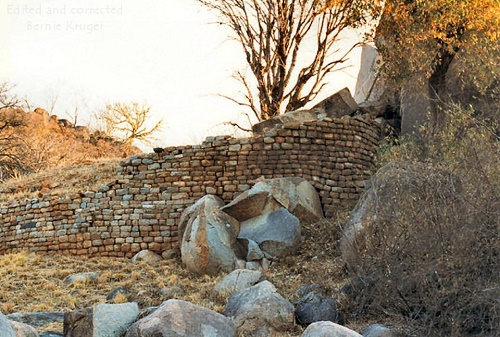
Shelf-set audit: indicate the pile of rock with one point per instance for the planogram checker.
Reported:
(254, 308)
(261, 224)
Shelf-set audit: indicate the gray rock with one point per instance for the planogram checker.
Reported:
(339, 104)
(23, 330)
(6, 327)
(37, 319)
(82, 278)
(237, 280)
(180, 318)
(146, 256)
(103, 320)
(314, 307)
(209, 243)
(328, 329)
(253, 250)
(379, 330)
(277, 233)
(260, 310)
(170, 254)
(295, 194)
(51, 334)
(171, 292)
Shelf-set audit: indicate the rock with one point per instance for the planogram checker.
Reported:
(50, 334)
(23, 330)
(277, 233)
(295, 194)
(102, 320)
(328, 329)
(82, 278)
(146, 256)
(237, 280)
(253, 250)
(180, 318)
(117, 292)
(209, 244)
(339, 104)
(37, 319)
(296, 116)
(314, 307)
(379, 205)
(170, 254)
(260, 310)
(5, 327)
(379, 330)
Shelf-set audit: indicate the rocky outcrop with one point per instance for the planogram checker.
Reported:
(5, 327)
(237, 280)
(182, 319)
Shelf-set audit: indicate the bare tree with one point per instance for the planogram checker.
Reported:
(7, 99)
(129, 122)
(273, 35)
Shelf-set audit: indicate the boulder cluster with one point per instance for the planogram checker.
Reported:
(258, 226)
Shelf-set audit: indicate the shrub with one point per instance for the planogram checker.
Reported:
(432, 253)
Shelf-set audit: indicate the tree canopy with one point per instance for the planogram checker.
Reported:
(425, 37)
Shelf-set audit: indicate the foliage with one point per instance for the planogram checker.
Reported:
(433, 251)
(129, 122)
(275, 37)
(421, 39)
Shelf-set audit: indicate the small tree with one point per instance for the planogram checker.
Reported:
(129, 122)
(273, 35)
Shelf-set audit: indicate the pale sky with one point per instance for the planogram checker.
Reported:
(165, 53)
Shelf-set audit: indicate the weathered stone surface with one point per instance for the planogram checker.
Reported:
(328, 329)
(146, 256)
(295, 194)
(183, 319)
(237, 280)
(82, 278)
(339, 104)
(209, 242)
(314, 307)
(260, 310)
(103, 320)
(37, 319)
(117, 292)
(277, 233)
(23, 330)
(6, 327)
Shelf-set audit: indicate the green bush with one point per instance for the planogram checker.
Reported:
(432, 253)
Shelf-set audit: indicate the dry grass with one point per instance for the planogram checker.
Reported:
(32, 282)
(60, 180)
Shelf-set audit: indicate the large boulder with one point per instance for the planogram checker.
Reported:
(102, 320)
(277, 233)
(5, 327)
(385, 203)
(183, 319)
(328, 329)
(146, 256)
(209, 238)
(295, 194)
(259, 310)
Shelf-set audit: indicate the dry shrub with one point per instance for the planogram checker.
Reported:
(432, 253)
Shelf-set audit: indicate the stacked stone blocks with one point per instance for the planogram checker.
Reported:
(142, 207)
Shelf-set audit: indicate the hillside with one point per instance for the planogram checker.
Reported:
(34, 141)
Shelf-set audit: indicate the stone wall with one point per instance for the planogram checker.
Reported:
(141, 209)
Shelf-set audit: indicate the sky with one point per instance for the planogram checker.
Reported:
(167, 54)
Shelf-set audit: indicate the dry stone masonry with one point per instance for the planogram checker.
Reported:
(141, 208)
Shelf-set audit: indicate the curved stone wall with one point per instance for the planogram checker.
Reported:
(141, 208)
